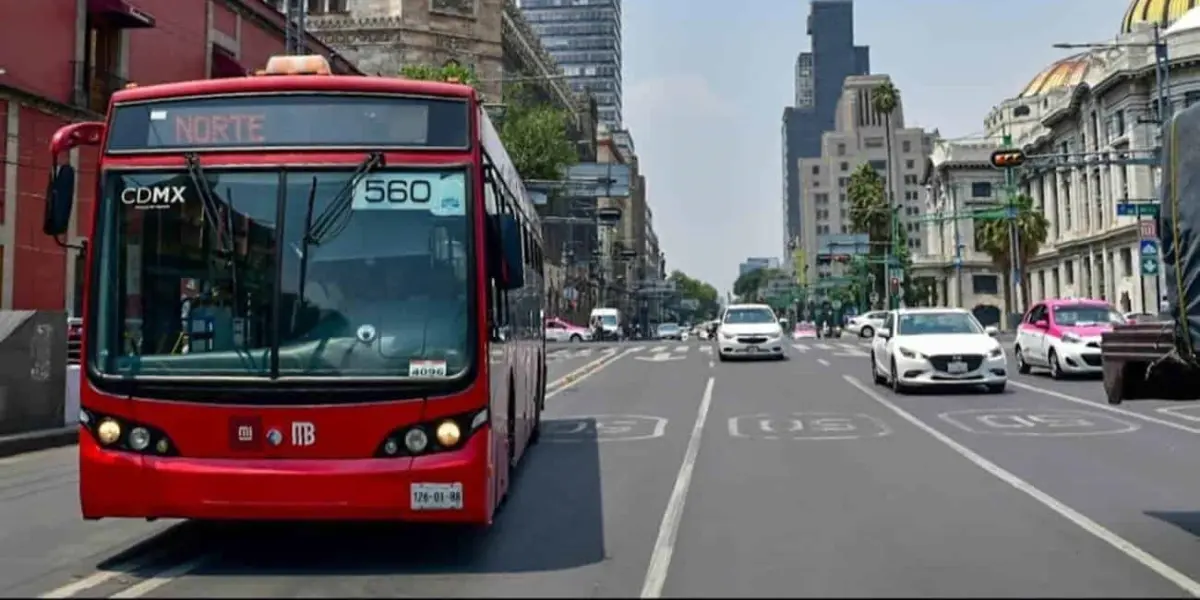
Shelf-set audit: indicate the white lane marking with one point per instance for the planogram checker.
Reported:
(852, 353)
(823, 362)
(166, 576)
(824, 346)
(800, 347)
(1122, 545)
(682, 348)
(664, 546)
(163, 578)
(637, 348)
(658, 349)
(1108, 407)
(848, 346)
(706, 349)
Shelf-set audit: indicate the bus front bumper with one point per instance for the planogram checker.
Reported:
(454, 487)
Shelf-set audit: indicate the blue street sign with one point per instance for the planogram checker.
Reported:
(1149, 266)
(1150, 249)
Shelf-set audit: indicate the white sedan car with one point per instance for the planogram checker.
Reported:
(749, 331)
(865, 325)
(927, 347)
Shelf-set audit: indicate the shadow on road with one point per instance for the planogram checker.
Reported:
(1187, 520)
(552, 520)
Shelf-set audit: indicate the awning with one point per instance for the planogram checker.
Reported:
(120, 13)
(224, 64)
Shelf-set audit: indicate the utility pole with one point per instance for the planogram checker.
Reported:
(1014, 233)
(296, 17)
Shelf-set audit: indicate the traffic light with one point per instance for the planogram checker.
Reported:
(1008, 159)
(895, 284)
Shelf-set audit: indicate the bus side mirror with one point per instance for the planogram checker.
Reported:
(507, 263)
(60, 196)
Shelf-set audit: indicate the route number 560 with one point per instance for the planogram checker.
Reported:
(397, 191)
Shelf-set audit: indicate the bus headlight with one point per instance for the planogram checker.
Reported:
(139, 438)
(109, 431)
(415, 440)
(448, 433)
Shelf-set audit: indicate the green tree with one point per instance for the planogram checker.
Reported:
(748, 286)
(702, 292)
(870, 214)
(993, 237)
(884, 99)
(534, 133)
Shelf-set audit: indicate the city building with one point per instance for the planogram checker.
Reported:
(1104, 102)
(819, 76)
(959, 181)
(753, 264)
(584, 38)
(859, 136)
(60, 62)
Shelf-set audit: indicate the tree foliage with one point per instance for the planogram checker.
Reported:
(992, 237)
(703, 292)
(535, 134)
(885, 98)
(869, 212)
(748, 285)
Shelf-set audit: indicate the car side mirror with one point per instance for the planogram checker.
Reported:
(883, 332)
(1043, 324)
(60, 196)
(991, 330)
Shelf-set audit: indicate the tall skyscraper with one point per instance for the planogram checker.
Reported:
(585, 39)
(819, 76)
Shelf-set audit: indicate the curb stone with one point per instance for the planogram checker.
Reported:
(20, 443)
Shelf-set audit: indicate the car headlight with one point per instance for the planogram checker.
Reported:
(1071, 338)
(906, 353)
(996, 352)
(727, 335)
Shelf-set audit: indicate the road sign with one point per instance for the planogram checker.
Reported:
(1149, 266)
(1149, 228)
(1137, 209)
(1150, 248)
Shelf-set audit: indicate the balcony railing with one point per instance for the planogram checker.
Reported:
(95, 86)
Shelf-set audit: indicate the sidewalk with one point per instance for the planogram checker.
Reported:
(30, 441)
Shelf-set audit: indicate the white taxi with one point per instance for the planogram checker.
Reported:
(924, 347)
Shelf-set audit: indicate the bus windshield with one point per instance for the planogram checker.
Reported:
(189, 282)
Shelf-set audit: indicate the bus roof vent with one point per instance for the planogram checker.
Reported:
(298, 65)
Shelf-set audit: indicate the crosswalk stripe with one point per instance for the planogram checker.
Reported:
(824, 346)
(706, 348)
(657, 349)
(848, 346)
(682, 348)
(852, 353)
(800, 347)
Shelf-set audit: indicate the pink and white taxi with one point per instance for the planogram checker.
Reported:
(1063, 336)
(558, 330)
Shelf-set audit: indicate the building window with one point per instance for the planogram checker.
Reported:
(906, 146)
(911, 180)
(458, 8)
(841, 149)
(878, 165)
(842, 182)
(1191, 98)
(981, 189)
(1069, 271)
(910, 164)
(985, 284)
(873, 142)
(816, 169)
(845, 167)
(1126, 262)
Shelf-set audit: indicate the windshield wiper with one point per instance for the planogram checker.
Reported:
(330, 223)
(303, 250)
(222, 229)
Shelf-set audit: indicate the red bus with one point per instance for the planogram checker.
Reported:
(308, 296)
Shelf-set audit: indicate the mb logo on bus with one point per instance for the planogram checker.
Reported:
(303, 433)
(153, 197)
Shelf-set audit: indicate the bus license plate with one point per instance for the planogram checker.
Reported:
(437, 496)
(957, 367)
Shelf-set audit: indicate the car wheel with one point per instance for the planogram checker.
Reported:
(576, 338)
(866, 332)
(1055, 368)
(897, 387)
(1022, 366)
(875, 376)
(721, 357)
(996, 388)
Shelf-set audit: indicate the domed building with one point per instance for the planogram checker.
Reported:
(1089, 124)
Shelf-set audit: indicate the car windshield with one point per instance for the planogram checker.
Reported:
(1086, 315)
(668, 327)
(937, 323)
(188, 287)
(740, 316)
(608, 319)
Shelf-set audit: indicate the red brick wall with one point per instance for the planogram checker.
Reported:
(39, 266)
(37, 41)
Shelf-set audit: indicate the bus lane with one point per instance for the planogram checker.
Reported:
(580, 521)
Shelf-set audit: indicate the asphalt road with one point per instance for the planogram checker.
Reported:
(666, 473)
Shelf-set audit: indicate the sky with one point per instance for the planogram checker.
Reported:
(706, 81)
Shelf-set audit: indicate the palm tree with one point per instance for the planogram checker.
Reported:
(870, 214)
(884, 99)
(992, 236)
